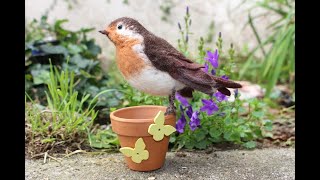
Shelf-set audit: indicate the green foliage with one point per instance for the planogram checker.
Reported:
(103, 139)
(210, 33)
(239, 121)
(65, 120)
(64, 43)
(166, 7)
(133, 97)
(232, 123)
(185, 32)
(279, 62)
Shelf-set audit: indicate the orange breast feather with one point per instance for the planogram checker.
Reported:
(128, 61)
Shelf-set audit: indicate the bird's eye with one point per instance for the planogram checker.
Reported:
(120, 26)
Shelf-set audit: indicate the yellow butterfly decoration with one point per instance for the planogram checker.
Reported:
(138, 153)
(158, 129)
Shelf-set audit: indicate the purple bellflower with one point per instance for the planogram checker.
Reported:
(181, 123)
(213, 72)
(213, 58)
(225, 77)
(194, 120)
(209, 106)
(206, 67)
(220, 97)
(189, 111)
(183, 100)
(236, 93)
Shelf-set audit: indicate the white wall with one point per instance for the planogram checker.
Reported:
(228, 16)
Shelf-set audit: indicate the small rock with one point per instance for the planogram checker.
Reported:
(181, 154)
(151, 178)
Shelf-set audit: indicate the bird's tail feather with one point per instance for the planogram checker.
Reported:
(223, 84)
(226, 83)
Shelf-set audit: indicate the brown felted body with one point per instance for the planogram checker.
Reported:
(131, 124)
(163, 57)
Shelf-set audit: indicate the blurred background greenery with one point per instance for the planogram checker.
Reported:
(72, 82)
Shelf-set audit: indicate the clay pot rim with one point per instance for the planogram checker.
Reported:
(116, 118)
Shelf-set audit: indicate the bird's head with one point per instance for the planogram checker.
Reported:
(123, 30)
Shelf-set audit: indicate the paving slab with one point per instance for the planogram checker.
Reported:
(259, 164)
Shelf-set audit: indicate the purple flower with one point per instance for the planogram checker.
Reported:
(209, 106)
(181, 123)
(213, 58)
(187, 10)
(179, 25)
(220, 97)
(236, 93)
(206, 67)
(181, 109)
(194, 120)
(187, 38)
(183, 100)
(35, 52)
(213, 72)
(225, 77)
(189, 111)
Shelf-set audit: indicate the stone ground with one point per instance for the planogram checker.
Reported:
(259, 164)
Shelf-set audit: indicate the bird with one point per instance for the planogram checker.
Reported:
(152, 65)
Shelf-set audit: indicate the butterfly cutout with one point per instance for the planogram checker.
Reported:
(138, 153)
(158, 129)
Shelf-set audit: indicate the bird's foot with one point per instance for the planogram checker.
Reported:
(170, 110)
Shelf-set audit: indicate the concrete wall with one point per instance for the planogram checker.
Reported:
(228, 16)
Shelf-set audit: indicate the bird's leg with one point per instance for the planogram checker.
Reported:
(171, 109)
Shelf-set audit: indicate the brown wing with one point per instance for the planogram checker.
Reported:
(166, 58)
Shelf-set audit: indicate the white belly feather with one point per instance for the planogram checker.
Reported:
(155, 82)
(151, 80)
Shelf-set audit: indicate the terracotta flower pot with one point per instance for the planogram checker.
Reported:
(131, 125)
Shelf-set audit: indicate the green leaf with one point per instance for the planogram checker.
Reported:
(112, 109)
(250, 144)
(48, 140)
(257, 114)
(228, 121)
(80, 61)
(258, 132)
(189, 144)
(214, 132)
(267, 124)
(201, 144)
(50, 49)
(40, 76)
(235, 136)
(93, 48)
(242, 110)
(74, 49)
(227, 135)
(86, 74)
(172, 139)
(199, 134)
(61, 32)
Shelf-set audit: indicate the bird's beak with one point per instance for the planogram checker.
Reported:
(104, 32)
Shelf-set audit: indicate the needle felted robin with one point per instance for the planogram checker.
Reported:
(151, 65)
